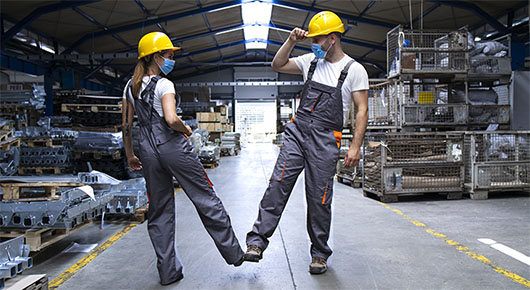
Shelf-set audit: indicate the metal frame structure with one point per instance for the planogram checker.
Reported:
(496, 161)
(413, 163)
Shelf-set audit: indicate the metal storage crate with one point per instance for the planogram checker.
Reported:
(496, 161)
(383, 107)
(413, 163)
(489, 66)
(484, 67)
(430, 102)
(489, 103)
(424, 52)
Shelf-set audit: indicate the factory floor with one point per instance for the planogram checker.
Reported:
(422, 242)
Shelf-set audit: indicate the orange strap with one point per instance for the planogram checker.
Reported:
(338, 137)
(325, 191)
(283, 171)
(292, 119)
(207, 178)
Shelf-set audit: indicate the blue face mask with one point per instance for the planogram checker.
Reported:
(318, 51)
(168, 66)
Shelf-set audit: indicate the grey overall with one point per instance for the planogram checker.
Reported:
(311, 142)
(165, 153)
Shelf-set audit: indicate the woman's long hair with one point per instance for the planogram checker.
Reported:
(139, 72)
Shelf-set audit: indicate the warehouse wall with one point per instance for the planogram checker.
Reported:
(223, 75)
(257, 74)
(242, 74)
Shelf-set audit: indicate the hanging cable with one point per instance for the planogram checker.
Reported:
(421, 16)
(410, 13)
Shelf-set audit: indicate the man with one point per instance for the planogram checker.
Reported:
(312, 138)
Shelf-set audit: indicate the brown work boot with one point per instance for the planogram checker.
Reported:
(253, 254)
(318, 266)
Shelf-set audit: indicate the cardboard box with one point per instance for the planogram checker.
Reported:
(208, 117)
(223, 119)
(222, 109)
(409, 60)
(211, 127)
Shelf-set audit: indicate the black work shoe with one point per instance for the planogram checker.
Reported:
(179, 277)
(318, 266)
(253, 254)
(240, 261)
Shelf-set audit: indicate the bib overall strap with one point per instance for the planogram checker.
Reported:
(344, 73)
(312, 68)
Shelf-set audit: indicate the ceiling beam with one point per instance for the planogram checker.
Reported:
(146, 12)
(367, 8)
(349, 17)
(38, 12)
(477, 11)
(94, 21)
(151, 22)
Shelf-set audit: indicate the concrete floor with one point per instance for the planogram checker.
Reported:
(375, 247)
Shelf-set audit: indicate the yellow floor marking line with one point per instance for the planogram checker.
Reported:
(463, 249)
(88, 258)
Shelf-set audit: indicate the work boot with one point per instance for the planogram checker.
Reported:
(318, 266)
(253, 254)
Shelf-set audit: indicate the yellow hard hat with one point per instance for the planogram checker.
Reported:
(324, 23)
(154, 42)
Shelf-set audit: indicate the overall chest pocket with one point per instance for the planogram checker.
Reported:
(313, 100)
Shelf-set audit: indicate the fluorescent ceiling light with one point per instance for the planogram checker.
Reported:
(254, 13)
(255, 45)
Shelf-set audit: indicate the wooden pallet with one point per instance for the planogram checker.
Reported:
(38, 239)
(110, 129)
(5, 135)
(117, 154)
(14, 192)
(94, 108)
(28, 282)
(11, 142)
(388, 198)
(42, 170)
(484, 194)
(45, 142)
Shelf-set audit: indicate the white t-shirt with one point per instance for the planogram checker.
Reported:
(163, 86)
(328, 74)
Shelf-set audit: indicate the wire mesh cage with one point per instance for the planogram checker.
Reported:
(426, 51)
(489, 103)
(405, 163)
(430, 102)
(383, 108)
(497, 160)
(490, 59)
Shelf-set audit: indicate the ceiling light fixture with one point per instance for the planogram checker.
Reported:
(254, 13)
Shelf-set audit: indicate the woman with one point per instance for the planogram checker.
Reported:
(164, 153)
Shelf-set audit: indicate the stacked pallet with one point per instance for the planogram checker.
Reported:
(45, 151)
(9, 151)
(24, 105)
(98, 112)
(101, 151)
